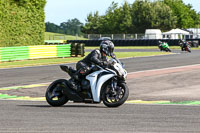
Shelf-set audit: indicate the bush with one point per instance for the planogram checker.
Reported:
(22, 22)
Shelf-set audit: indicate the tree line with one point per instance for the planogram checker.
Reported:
(71, 27)
(141, 15)
(133, 18)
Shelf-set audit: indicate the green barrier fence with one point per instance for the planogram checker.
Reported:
(63, 50)
(14, 53)
(0, 54)
(27, 52)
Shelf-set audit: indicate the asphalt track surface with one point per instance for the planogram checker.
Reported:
(32, 116)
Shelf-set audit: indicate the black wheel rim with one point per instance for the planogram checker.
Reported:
(55, 92)
(117, 96)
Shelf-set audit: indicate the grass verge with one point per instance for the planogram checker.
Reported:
(38, 62)
(58, 36)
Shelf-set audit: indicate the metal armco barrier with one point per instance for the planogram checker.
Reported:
(32, 52)
(134, 42)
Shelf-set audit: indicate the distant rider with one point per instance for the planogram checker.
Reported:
(182, 44)
(161, 44)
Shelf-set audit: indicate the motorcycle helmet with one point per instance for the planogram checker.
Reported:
(107, 47)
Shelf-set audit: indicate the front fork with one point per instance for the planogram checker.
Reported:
(114, 86)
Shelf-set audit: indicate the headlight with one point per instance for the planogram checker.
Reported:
(125, 74)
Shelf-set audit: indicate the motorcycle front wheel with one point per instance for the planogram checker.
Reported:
(54, 95)
(117, 98)
(188, 49)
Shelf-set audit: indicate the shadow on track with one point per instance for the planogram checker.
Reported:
(65, 106)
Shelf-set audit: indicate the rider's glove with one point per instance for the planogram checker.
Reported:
(113, 55)
(103, 64)
(106, 64)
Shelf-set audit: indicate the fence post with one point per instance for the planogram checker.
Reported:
(124, 36)
(135, 36)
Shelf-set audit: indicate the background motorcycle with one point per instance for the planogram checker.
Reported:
(102, 84)
(185, 46)
(164, 47)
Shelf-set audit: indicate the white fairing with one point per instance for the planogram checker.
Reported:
(98, 78)
(96, 85)
(121, 70)
(119, 67)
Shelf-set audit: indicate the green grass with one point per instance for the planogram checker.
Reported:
(57, 36)
(38, 62)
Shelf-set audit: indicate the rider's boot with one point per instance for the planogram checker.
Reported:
(74, 77)
(74, 84)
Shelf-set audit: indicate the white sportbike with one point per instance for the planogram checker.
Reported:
(101, 84)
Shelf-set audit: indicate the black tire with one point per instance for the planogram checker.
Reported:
(160, 48)
(61, 99)
(189, 50)
(168, 50)
(110, 103)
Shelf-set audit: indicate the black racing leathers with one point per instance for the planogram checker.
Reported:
(94, 58)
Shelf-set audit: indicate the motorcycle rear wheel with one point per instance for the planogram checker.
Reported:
(114, 101)
(168, 50)
(54, 95)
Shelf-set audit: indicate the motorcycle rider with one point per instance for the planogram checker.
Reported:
(96, 57)
(160, 45)
(183, 44)
(164, 46)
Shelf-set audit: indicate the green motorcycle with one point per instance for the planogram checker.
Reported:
(163, 46)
